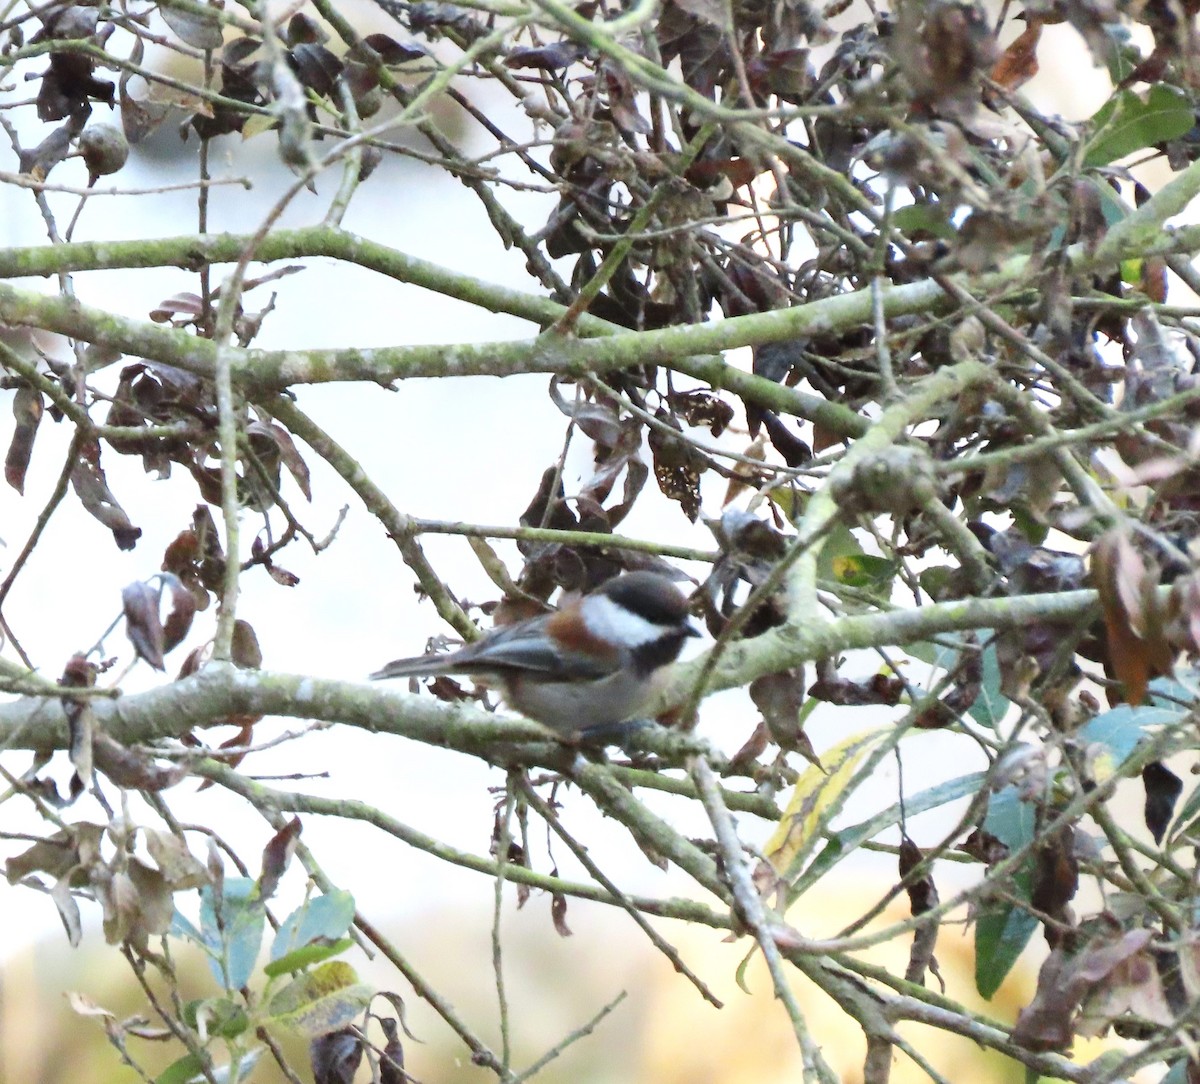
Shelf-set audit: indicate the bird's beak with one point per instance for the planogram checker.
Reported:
(690, 629)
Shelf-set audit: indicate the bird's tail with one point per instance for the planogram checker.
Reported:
(417, 666)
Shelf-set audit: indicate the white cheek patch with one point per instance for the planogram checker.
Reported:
(610, 621)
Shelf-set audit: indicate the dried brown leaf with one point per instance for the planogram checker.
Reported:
(744, 476)
(1049, 1021)
(81, 726)
(59, 854)
(1183, 614)
(82, 1005)
(753, 747)
(1133, 621)
(391, 1061)
(194, 27)
(390, 51)
(292, 459)
(677, 467)
(1019, 63)
(137, 904)
(91, 487)
(132, 769)
(553, 57)
(713, 12)
(702, 408)
(1055, 880)
(181, 868)
(139, 119)
(143, 626)
(622, 98)
(282, 576)
(779, 697)
(277, 854)
(1134, 986)
(922, 897)
(183, 609)
(1163, 788)
(27, 414)
(239, 741)
(180, 309)
(245, 651)
(335, 1057)
(558, 913)
(68, 911)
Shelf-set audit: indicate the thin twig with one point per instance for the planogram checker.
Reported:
(547, 813)
(751, 911)
(579, 1033)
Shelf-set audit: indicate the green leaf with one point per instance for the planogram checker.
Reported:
(312, 953)
(258, 123)
(320, 1001)
(933, 581)
(180, 1072)
(925, 651)
(924, 218)
(1003, 929)
(1177, 1074)
(1190, 808)
(1001, 933)
(1009, 819)
(1167, 692)
(245, 1067)
(1112, 207)
(1033, 528)
(1131, 271)
(863, 570)
(181, 927)
(740, 975)
(790, 502)
(1119, 731)
(1122, 56)
(189, 1068)
(848, 840)
(839, 542)
(325, 917)
(991, 705)
(216, 1016)
(234, 941)
(1126, 123)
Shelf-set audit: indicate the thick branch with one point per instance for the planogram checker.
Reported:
(686, 348)
(219, 691)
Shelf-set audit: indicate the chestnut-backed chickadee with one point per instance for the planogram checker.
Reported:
(593, 663)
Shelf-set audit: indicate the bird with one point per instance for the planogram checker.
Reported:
(591, 665)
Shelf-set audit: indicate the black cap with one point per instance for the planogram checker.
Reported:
(651, 596)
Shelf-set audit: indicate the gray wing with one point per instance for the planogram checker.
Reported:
(517, 647)
(523, 647)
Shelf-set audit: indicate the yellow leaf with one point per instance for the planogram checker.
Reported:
(257, 124)
(1131, 271)
(1103, 765)
(818, 795)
